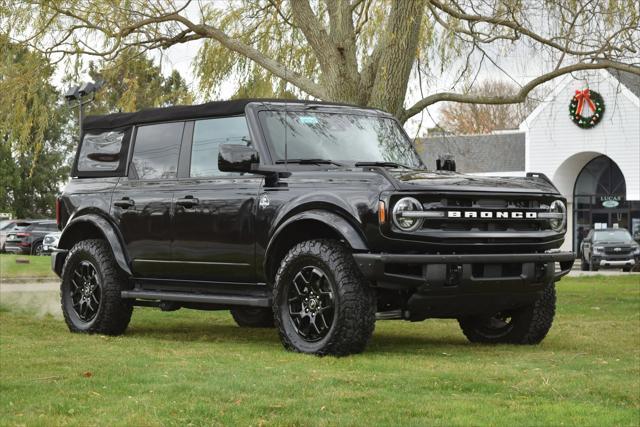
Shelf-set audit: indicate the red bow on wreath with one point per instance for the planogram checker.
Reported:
(583, 96)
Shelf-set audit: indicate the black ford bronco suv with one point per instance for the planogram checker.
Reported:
(314, 218)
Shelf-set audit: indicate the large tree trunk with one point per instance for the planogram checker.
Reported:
(398, 52)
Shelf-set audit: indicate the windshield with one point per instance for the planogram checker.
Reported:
(337, 136)
(620, 235)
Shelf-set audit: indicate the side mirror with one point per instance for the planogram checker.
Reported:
(446, 163)
(237, 158)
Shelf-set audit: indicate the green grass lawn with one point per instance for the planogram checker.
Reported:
(198, 368)
(38, 266)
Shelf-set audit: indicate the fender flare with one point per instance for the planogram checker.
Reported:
(108, 231)
(336, 222)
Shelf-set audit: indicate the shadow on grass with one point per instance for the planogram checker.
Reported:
(381, 342)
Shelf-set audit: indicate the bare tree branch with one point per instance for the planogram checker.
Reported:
(520, 96)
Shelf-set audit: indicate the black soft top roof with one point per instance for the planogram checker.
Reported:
(179, 112)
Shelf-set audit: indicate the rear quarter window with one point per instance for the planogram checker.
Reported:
(102, 153)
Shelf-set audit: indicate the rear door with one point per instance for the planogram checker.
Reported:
(214, 236)
(142, 201)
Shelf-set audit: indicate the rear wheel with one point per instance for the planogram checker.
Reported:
(90, 290)
(251, 317)
(524, 325)
(322, 304)
(626, 268)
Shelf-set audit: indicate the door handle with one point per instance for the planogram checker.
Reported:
(187, 202)
(124, 203)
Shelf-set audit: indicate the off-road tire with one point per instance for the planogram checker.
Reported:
(114, 313)
(353, 299)
(253, 317)
(627, 268)
(529, 325)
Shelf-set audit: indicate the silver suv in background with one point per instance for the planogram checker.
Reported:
(609, 247)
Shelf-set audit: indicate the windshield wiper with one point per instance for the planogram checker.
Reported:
(309, 162)
(383, 164)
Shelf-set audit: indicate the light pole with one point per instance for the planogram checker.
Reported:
(79, 96)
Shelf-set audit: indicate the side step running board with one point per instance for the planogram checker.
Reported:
(201, 298)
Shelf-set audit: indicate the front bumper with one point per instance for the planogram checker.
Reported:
(616, 262)
(460, 285)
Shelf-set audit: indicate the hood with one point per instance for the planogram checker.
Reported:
(452, 181)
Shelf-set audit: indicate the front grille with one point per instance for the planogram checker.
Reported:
(612, 251)
(480, 206)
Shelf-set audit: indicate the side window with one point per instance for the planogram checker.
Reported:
(207, 137)
(100, 152)
(155, 152)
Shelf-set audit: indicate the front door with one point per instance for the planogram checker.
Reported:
(142, 202)
(214, 228)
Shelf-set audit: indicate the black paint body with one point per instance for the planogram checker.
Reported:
(226, 235)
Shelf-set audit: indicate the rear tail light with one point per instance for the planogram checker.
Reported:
(23, 234)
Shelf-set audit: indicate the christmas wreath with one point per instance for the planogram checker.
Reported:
(586, 100)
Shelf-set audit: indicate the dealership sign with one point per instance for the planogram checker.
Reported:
(610, 201)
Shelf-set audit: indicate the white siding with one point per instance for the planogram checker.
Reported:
(559, 148)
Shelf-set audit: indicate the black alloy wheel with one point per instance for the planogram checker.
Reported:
(496, 326)
(90, 291)
(86, 291)
(321, 302)
(528, 324)
(311, 303)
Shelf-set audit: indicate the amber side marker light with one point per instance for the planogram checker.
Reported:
(382, 212)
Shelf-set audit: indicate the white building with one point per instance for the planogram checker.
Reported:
(596, 169)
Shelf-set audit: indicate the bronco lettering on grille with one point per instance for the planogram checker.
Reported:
(493, 214)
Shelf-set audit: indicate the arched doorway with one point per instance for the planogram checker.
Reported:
(599, 199)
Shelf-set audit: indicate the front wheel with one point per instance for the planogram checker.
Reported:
(90, 290)
(322, 304)
(524, 325)
(37, 249)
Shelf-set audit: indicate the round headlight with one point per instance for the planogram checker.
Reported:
(557, 207)
(406, 223)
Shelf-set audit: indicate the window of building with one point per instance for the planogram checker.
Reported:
(100, 152)
(207, 137)
(155, 153)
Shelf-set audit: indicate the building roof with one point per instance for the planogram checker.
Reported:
(501, 152)
(630, 80)
(182, 112)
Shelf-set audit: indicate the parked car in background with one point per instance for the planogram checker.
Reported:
(26, 238)
(6, 225)
(50, 242)
(609, 247)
